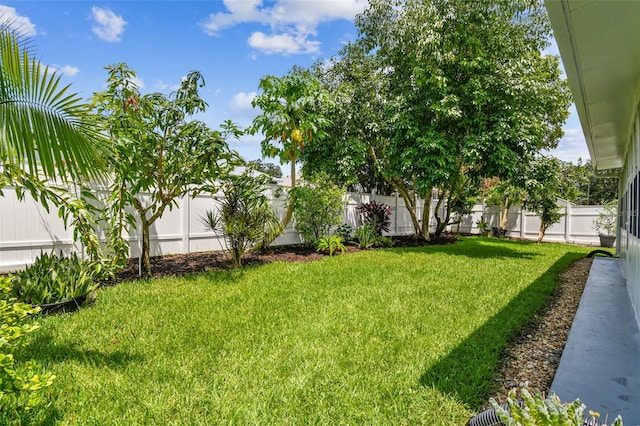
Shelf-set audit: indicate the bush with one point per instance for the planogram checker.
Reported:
(20, 383)
(366, 236)
(382, 241)
(344, 231)
(52, 279)
(319, 206)
(378, 215)
(245, 217)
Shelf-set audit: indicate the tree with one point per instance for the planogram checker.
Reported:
(544, 185)
(267, 168)
(503, 194)
(290, 118)
(160, 154)
(460, 86)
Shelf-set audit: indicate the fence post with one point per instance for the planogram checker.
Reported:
(522, 222)
(567, 222)
(185, 209)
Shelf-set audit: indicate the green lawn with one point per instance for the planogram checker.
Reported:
(397, 336)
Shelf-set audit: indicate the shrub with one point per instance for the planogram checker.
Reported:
(375, 214)
(330, 244)
(382, 241)
(245, 217)
(319, 206)
(20, 383)
(366, 236)
(52, 279)
(345, 231)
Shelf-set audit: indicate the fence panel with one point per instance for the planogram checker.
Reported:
(26, 229)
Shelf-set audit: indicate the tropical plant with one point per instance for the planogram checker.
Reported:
(330, 244)
(366, 235)
(21, 384)
(537, 410)
(376, 214)
(52, 278)
(290, 117)
(161, 154)
(245, 215)
(45, 129)
(319, 205)
(483, 226)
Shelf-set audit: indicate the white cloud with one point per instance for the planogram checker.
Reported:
(21, 24)
(67, 70)
(286, 44)
(293, 23)
(572, 146)
(242, 101)
(108, 26)
(138, 82)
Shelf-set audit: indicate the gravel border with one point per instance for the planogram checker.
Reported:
(534, 355)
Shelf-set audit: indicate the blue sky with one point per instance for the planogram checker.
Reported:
(233, 43)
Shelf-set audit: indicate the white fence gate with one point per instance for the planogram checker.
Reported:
(26, 229)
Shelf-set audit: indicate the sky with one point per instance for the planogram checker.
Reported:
(233, 43)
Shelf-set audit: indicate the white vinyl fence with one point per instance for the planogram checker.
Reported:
(26, 229)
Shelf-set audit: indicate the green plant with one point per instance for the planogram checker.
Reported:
(606, 222)
(20, 383)
(366, 236)
(330, 244)
(319, 206)
(345, 231)
(483, 226)
(245, 215)
(54, 278)
(383, 241)
(376, 214)
(536, 410)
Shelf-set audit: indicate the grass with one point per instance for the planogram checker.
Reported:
(397, 336)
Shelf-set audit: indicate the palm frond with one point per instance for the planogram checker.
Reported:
(42, 125)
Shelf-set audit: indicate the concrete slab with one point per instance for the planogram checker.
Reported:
(600, 364)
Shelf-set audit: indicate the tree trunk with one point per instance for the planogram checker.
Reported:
(504, 219)
(441, 223)
(426, 218)
(145, 266)
(541, 232)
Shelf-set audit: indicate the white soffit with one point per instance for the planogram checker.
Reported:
(599, 41)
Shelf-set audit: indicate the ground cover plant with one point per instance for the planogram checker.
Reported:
(393, 336)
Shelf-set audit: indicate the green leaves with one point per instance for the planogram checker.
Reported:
(159, 150)
(43, 125)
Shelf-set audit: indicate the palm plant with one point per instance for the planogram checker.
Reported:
(44, 129)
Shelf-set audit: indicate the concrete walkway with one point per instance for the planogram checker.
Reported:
(600, 364)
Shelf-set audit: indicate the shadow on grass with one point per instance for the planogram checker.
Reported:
(468, 371)
(43, 349)
(475, 248)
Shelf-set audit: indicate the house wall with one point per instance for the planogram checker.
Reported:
(629, 232)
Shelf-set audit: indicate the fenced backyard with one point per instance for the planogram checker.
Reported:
(27, 229)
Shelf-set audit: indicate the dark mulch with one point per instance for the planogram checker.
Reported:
(182, 264)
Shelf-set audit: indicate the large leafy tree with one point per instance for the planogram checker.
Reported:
(462, 86)
(161, 153)
(290, 117)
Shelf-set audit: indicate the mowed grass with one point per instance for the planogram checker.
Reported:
(397, 336)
